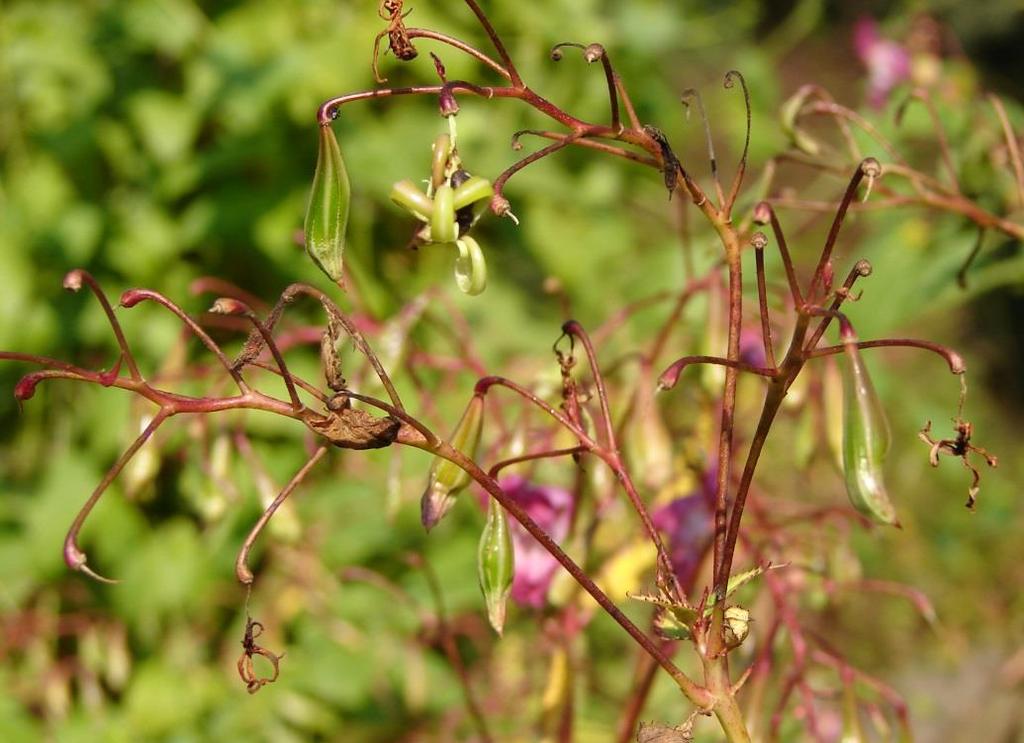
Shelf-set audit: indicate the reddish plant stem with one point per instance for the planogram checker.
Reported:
(951, 357)
(506, 60)
(862, 268)
(741, 168)
(762, 299)
(72, 282)
(613, 458)
(426, 33)
(242, 572)
(695, 693)
(534, 456)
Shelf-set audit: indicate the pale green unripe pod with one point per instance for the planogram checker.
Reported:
(473, 190)
(496, 564)
(408, 196)
(442, 220)
(866, 438)
(447, 479)
(327, 212)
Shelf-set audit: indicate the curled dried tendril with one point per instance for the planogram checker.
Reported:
(246, 669)
(960, 447)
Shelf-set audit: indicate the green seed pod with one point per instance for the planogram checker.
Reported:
(327, 213)
(447, 479)
(473, 190)
(442, 219)
(470, 267)
(439, 162)
(866, 438)
(408, 196)
(496, 564)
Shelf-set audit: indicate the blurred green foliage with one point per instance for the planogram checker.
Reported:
(157, 141)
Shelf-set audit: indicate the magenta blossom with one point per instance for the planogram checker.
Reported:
(887, 62)
(688, 522)
(551, 507)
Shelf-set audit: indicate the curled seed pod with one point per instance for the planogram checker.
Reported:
(327, 212)
(470, 267)
(788, 115)
(439, 162)
(447, 479)
(408, 196)
(866, 437)
(442, 220)
(496, 564)
(473, 189)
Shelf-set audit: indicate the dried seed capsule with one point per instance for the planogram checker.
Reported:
(737, 625)
(496, 564)
(447, 479)
(327, 212)
(470, 267)
(408, 196)
(442, 219)
(866, 437)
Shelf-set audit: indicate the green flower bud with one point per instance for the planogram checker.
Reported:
(471, 191)
(496, 564)
(865, 438)
(327, 213)
(442, 219)
(409, 197)
(470, 267)
(447, 479)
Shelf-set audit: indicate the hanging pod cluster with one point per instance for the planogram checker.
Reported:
(448, 209)
(327, 211)
(866, 436)
(446, 479)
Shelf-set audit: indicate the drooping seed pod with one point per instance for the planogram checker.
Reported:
(470, 267)
(447, 479)
(408, 196)
(327, 212)
(866, 437)
(442, 218)
(496, 564)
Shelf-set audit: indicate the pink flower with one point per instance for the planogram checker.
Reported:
(551, 507)
(887, 62)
